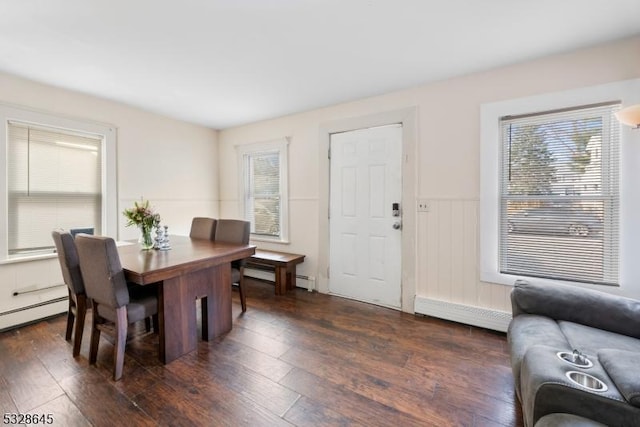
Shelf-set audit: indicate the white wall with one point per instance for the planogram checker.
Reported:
(171, 163)
(446, 255)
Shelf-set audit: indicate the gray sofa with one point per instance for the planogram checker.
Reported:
(605, 331)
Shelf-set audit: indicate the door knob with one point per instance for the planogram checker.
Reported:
(396, 225)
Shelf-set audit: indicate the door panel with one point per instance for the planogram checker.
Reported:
(365, 249)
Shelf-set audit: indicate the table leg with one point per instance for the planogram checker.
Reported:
(177, 309)
(219, 303)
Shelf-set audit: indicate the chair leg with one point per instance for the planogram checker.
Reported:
(95, 336)
(70, 318)
(147, 324)
(81, 312)
(121, 342)
(243, 300)
(70, 315)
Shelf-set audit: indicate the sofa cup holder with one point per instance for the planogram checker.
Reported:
(574, 359)
(587, 381)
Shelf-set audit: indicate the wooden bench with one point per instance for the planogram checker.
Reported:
(284, 264)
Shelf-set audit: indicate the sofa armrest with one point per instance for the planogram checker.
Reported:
(585, 306)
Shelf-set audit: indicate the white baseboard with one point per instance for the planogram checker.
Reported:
(23, 316)
(476, 316)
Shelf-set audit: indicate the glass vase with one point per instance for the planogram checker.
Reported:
(146, 240)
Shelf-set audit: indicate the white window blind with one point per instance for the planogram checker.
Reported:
(559, 208)
(262, 192)
(54, 181)
(263, 188)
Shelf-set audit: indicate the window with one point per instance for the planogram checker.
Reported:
(54, 181)
(559, 197)
(558, 188)
(57, 176)
(263, 184)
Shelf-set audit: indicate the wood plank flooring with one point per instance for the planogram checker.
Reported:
(302, 359)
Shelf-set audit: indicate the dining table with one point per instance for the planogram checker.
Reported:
(191, 269)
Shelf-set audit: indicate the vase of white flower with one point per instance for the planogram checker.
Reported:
(145, 219)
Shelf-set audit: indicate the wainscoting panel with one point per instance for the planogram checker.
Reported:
(448, 284)
(30, 291)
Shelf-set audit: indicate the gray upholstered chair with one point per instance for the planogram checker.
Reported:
(203, 228)
(70, 266)
(112, 302)
(235, 231)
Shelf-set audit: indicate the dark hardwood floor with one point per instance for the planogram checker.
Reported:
(303, 359)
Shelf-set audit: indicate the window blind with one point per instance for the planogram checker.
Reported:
(53, 181)
(560, 195)
(263, 198)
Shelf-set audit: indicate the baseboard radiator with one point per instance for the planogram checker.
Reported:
(306, 282)
(32, 313)
(469, 315)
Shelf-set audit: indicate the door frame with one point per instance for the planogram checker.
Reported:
(408, 118)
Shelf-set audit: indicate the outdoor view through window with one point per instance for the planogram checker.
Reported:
(559, 195)
(263, 195)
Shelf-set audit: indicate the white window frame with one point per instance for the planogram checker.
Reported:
(280, 145)
(109, 190)
(628, 93)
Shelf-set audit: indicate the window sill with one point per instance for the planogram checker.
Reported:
(266, 239)
(510, 280)
(499, 278)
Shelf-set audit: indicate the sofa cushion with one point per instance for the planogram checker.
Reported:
(623, 369)
(590, 340)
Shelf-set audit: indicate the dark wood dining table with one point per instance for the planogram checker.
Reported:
(191, 269)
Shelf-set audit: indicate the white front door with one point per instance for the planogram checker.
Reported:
(365, 230)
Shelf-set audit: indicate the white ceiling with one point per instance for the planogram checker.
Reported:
(222, 63)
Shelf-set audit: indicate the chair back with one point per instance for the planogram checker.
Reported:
(101, 270)
(203, 228)
(233, 231)
(69, 263)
